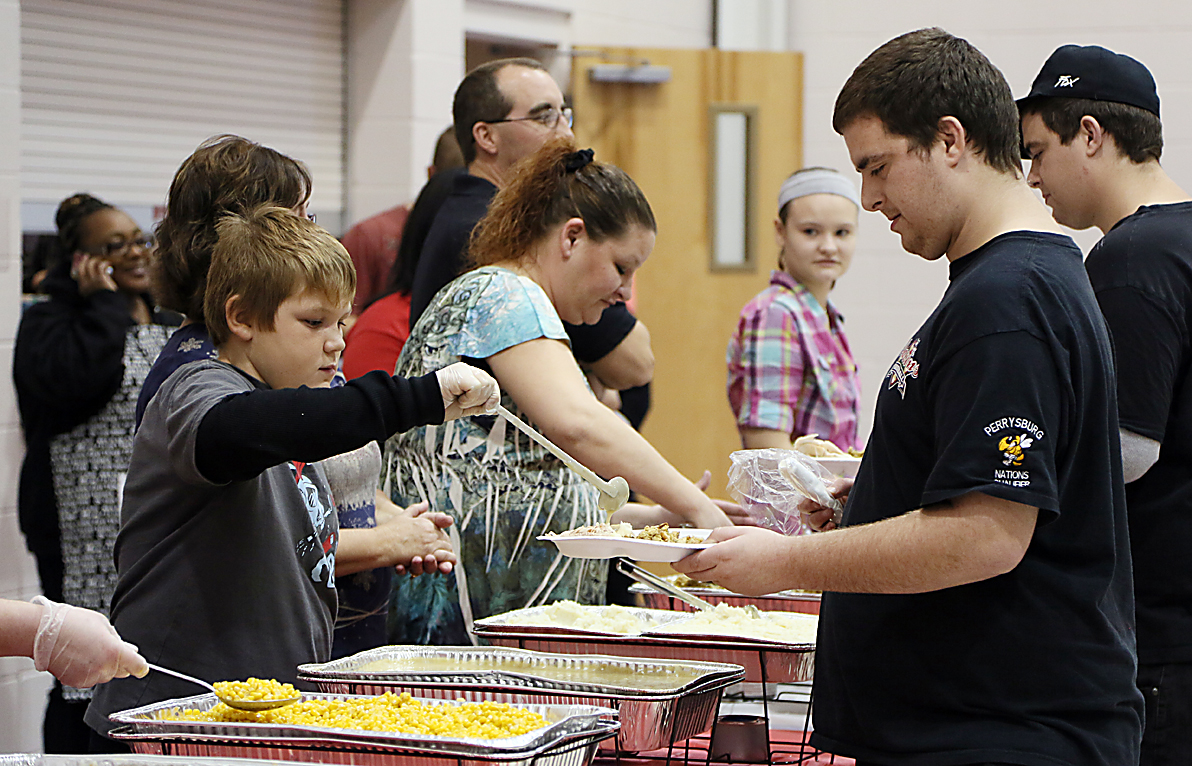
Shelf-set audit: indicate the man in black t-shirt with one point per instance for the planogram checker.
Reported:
(1091, 129)
(978, 603)
(504, 111)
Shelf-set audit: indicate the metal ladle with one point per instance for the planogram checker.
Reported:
(613, 494)
(233, 703)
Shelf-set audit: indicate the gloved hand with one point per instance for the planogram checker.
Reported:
(81, 648)
(467, 391)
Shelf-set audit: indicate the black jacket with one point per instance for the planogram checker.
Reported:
(67, 364)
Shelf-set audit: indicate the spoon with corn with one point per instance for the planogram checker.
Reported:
(231, 693)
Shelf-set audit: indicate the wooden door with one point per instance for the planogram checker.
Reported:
(660, 135)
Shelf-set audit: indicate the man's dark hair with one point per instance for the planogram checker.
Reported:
(479, 99)
(1137, 132)
(916, 79)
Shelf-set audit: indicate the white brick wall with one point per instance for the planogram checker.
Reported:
(888, 292)
(399, 98)
(22, 690)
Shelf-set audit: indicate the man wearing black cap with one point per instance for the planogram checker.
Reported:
(1091, 129)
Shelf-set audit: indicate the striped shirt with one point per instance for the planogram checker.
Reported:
(790, 368)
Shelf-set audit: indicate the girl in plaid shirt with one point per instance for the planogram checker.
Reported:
(790, 371)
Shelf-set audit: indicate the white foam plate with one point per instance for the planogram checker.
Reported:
(612, 546)
(841, 466)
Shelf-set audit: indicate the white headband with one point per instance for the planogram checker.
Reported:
(817, 182)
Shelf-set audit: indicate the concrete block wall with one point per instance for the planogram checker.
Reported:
(406, 55)
(22, 689)
(888, 292)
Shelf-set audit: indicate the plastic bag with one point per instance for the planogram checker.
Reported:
(771, 501)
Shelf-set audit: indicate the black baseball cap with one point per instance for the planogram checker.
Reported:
(1093, 72)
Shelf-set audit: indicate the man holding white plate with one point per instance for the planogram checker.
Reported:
(978, 604)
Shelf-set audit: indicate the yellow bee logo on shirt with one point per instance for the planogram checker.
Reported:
(1013, 447)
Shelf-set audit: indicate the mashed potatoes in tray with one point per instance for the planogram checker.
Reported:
(735, 622)
(599, 619)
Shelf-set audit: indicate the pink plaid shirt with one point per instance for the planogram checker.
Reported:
(789, 366)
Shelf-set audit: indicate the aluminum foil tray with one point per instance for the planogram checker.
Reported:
(515, 668)
(565, 721)
(38, 759)
(648, 598)
(571, 750)
(773, 663)
(514, 621)
(649, 719)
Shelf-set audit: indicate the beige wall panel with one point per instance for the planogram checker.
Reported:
(659, 134)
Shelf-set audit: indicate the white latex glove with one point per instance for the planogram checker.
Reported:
(81, 648)
(467, 391)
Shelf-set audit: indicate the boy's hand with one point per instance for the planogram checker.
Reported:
(467, 391)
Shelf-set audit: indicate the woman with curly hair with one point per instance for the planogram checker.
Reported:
(560, 242)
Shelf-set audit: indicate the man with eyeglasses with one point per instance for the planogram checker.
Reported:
(506, 110)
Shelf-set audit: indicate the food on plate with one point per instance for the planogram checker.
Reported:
(628, 674)
(388, 712)
(255, 689)
(601, 619)
(661, 533)
(735, 621)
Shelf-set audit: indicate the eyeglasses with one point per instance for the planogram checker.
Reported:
(121, 248)
(547, 118)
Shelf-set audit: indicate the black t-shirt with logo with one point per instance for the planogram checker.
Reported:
(1142, 274)
(1007, 389)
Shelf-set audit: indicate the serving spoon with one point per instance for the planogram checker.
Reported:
(646, 577)
(233, 703)
(613, 494)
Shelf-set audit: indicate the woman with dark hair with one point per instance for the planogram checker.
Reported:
(225, 174)
(561, 242)
(78, 365)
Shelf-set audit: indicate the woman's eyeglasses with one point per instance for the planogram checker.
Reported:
(121, 248)
(547, 118)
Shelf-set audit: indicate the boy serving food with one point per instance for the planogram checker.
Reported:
(226, 554)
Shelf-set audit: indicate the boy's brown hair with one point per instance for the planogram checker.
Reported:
(1137, 133)
(914, 80)
(266, 256)
(225, 174)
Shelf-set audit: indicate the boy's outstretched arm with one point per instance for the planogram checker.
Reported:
(247, 433)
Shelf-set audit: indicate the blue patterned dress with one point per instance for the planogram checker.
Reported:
(502, 489)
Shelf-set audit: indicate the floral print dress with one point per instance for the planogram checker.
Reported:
(502, 489)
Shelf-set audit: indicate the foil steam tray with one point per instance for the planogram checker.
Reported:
(571, 750)
(565, 721)
(39, 759)
(650, 719)
(768, 662)
(516, 621)
(648, 598)
(504, 668)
